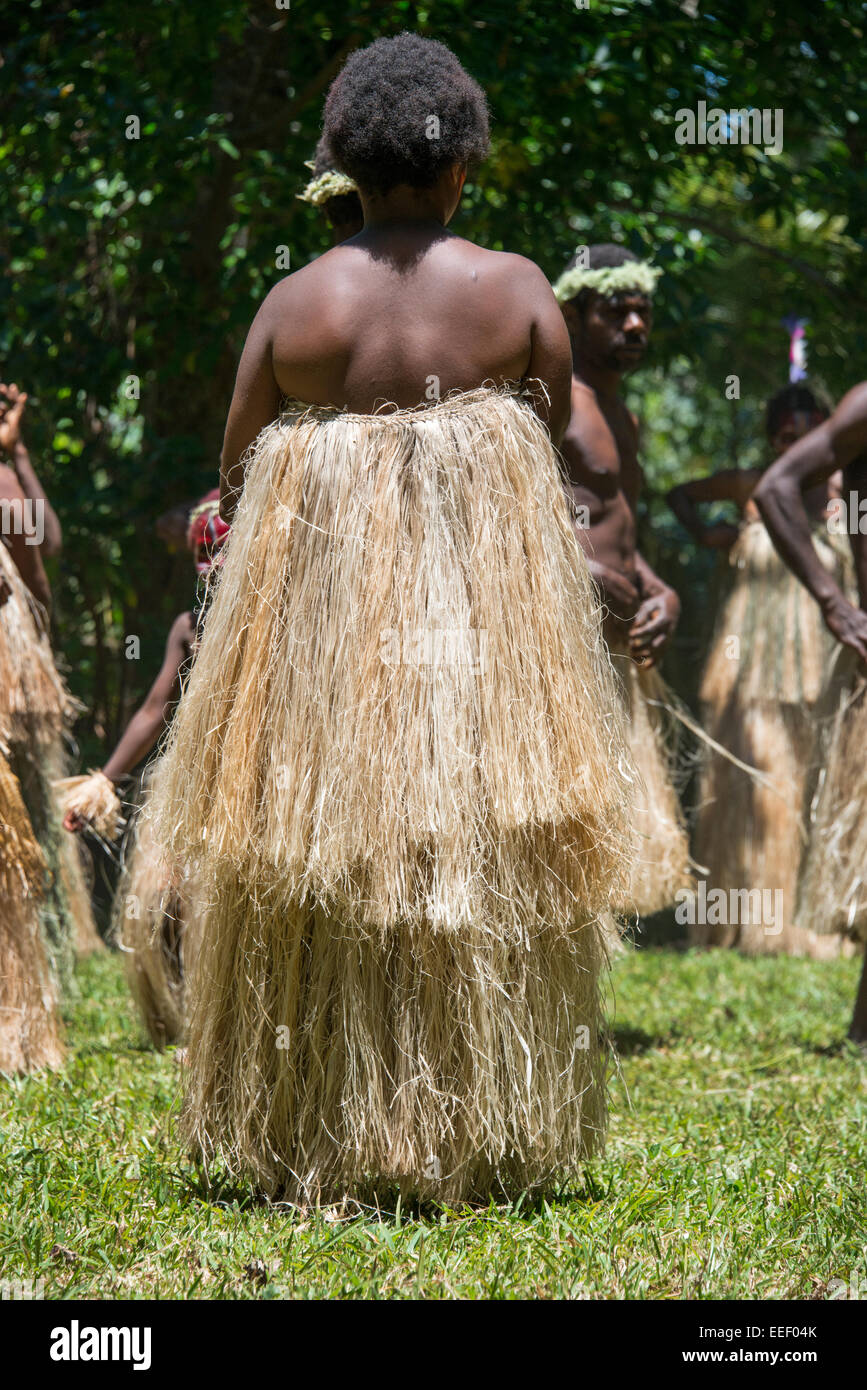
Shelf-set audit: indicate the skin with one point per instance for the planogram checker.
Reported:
(12, 403)
(738, 485)
(600, 448)
(375, 317)
(838, 443)
(149, 721)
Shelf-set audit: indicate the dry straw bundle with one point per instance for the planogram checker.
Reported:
(404, 861)
(93, 798)
(155, 926)
(662, 864)
(33, 699)
(35, 711)
(833, 888)
(29, 1027)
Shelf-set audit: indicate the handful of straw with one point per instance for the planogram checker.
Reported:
(94, 800)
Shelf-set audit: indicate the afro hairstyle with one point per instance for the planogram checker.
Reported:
(402, 111)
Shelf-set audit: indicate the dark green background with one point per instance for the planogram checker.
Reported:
(149, 256)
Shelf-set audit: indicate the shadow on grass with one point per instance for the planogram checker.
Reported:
(629, 1042)
(661, 931)
(193, 1185)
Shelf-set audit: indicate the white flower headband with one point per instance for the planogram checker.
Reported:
(639, 276)
(331, 184)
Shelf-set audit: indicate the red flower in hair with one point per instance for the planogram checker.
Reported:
(207, 531)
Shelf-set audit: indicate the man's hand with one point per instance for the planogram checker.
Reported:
(652, 627)
(847, 623)
(12, 403)
(619, 591)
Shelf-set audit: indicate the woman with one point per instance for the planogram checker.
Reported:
(398, 769)
(763, 677)
(154, 922)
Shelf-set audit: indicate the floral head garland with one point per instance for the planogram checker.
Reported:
(638, 276)
(331, 184)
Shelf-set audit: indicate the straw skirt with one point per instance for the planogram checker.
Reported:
(399, 777)
(662, 864)
(36, 710)
(29, 1027)
(833, 888)
(154, 925)
(764, 674)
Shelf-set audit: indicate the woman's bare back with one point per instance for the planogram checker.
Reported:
(399, 315)
(402, 315)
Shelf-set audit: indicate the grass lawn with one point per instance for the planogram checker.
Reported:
(734, 1169)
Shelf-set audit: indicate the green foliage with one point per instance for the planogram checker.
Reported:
(734, 1165)
(147, 256)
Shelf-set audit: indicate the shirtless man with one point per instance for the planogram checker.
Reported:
(606, 305)
(839, 442)
(609, 318)
(21, 492)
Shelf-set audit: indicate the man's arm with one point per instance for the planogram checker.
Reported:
(13, 445)
(729, 485)
(255, 404)
(836, 443)
(148, 722)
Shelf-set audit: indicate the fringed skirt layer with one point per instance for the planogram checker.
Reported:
(154, 925)
(30, 1035)
(662, 865)
(833, 889)
(35, 712)
(399, 778)
(765, 672)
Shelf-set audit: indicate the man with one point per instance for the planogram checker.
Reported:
(606, 297)
(405, 855)
(832, 895)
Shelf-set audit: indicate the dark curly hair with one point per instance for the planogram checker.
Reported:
(378, 114)
(345, 207)
(795, 397)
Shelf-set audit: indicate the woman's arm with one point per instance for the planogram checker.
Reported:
(729, 485)
(255, 404)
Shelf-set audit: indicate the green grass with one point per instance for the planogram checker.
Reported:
(734, 1169)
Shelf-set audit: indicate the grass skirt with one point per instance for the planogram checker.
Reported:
(154, 927)
(399, 776)
(29, 1026)
(35, 711)
(662, 863)
(764, 674)
(833, 889)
